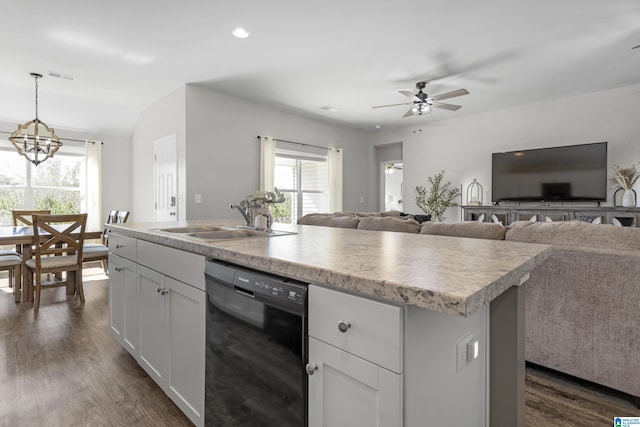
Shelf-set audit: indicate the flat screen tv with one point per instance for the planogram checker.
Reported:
(568, 173)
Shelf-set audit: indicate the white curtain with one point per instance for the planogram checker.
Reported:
(335, 179)
(93, 185)
(267, 163)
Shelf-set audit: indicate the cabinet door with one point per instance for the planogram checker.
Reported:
(349, 391)
(123, 302)
(185, 327)
(151, 296)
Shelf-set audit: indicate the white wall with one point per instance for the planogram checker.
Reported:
(463, 146)
(165, 117)
(222, 150)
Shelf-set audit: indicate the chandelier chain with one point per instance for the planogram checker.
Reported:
(36, 77)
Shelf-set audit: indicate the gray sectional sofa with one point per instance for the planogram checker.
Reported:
(582, 305)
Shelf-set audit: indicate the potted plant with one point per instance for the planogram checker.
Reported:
(625, 178)
(438, 197)
(257, 206)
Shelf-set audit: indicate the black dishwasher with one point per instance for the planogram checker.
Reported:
(256, 348)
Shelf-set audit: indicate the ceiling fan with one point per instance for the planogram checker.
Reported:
(422, 102)
(389, 168)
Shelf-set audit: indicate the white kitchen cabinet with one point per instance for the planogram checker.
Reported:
(123, 302)
(377, 364)
(172, 346)
(355, 348)
(151, 311)
(346, 390)
(157, 307)
(185, 339)
(172, 339)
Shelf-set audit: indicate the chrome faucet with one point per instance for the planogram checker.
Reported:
(246, 213)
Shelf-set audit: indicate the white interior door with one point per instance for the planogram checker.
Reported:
(166, 178)
(392, 187)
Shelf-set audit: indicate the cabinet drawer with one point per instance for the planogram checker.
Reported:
(375, 331)
(122, 246)
(184, 266)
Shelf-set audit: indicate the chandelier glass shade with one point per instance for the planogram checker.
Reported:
(34, 139)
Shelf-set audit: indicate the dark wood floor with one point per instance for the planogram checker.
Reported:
(63, 368)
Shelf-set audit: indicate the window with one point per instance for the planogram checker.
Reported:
(54, 184)
(304, 179)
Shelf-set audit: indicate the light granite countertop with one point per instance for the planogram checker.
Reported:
(448, 274)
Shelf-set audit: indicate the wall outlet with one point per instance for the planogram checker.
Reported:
(198, 198)
(466, 351)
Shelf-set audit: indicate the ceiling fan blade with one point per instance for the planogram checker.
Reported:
(406, 93)
(409, 113)
(451, 94)
(444, 106)
(392, 105)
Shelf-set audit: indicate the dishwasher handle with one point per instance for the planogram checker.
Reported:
(244, 292)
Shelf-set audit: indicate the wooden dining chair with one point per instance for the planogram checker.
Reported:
(100, 252)
(24, 217)
(63, 237)
(11, 262)
(122, 217)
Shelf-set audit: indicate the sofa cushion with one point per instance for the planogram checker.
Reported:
(329, 220)
(473, 229)
(389, 223)
(576, 233)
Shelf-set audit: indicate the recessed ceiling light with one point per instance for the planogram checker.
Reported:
(330, 108)
(241, 33)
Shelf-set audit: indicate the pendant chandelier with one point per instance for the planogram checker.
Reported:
(35, 140)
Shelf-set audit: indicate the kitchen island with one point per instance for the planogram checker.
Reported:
(449, 289)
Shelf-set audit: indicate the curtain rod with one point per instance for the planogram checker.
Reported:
(63, 139)
(299, 143)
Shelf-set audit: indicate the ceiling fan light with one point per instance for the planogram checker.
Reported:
(241, 33)
(421, 108)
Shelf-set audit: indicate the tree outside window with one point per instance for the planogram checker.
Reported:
(54, 185)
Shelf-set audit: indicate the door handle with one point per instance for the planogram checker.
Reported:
(173, 201)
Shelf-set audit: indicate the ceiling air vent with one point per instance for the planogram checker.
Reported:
(61, 76)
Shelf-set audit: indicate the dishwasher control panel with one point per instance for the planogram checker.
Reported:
(253, 283)
(272, 287)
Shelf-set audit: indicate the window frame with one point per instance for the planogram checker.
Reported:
(299, 192)
(28, 189)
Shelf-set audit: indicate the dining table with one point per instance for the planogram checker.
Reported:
(23, 239)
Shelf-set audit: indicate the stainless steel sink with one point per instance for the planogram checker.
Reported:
(185, 230)
(226, 234)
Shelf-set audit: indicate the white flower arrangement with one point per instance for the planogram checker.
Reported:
(625, 178)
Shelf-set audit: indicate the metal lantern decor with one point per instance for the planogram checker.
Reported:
(474, 194)
(35, 140)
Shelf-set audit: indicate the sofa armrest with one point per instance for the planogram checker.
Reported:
(582, 316)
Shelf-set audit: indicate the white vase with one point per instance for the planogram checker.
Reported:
(628, 199)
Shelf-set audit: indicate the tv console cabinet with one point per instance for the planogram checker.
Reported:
(628, 217)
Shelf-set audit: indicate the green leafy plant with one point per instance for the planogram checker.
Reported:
(261, 199)
(438, 197)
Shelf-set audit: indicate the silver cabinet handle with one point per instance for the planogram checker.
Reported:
(343, 325)
(164, 291)
(158, 289)
(118, 269)
(119, 246)
(311, 368)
